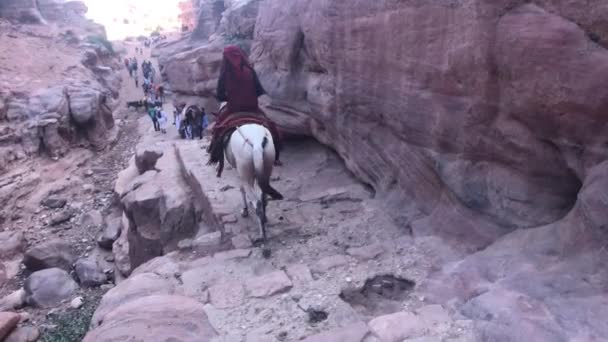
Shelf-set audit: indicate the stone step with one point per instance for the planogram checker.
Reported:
(220, 207)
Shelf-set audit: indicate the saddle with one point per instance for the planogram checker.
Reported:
(222, 130)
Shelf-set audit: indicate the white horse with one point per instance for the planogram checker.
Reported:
(251, 151)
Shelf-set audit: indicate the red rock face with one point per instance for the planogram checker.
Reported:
(470, 119)
(490, 102)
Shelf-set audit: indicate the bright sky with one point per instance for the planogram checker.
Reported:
(124, 18)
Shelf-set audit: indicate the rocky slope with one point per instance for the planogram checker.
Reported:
(59, 88)
(53, 102)
(479, 122)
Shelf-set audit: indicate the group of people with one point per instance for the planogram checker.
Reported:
(149, 87)
(190, 121)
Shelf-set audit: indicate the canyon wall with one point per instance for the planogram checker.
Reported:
(497, 105)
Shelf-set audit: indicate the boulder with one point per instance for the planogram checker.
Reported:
(24, 334)
(160, 211)
(146, 157)
(134, 288)
(54, 253)
(8, 322)
(48, 288)
(155, 318)
(13, 301)
(110, 233)
(12, 243)
(120, 250)
(89, 273)
(84, 105)
(61, 217)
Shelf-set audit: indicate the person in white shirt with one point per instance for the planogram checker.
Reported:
(162, 119)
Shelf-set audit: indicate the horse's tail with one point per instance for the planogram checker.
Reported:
(262, 175)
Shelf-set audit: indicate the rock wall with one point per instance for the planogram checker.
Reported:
(489, 102)
(484, 100)
(64, 97)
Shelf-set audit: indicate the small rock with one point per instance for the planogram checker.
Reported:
(109, 258)
(77, 206)
(48, 288)
(268, 284)
(24, 317)
(8, 322)
(89, 273)
(88, 173)
(54, 253)
(92, 219)
(88, 187)
(13, 301)
(77, 303)
(110, 233)
(11, 243)
(397, 327)
(24, 334)
(54, 202)
(61, 217)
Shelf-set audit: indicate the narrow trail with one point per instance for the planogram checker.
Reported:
(337, 260)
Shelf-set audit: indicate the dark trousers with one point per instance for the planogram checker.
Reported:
(156, 125)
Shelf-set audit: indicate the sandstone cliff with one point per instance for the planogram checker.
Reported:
(58, 86)
(474, 121)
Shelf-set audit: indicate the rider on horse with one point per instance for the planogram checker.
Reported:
(239, 86)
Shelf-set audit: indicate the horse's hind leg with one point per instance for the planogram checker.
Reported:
(261, 213)
(245, 211)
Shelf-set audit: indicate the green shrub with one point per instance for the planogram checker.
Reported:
(73, 324)
(101, 41)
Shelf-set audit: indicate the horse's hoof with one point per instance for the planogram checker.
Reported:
(244, 213)
(266, 253)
